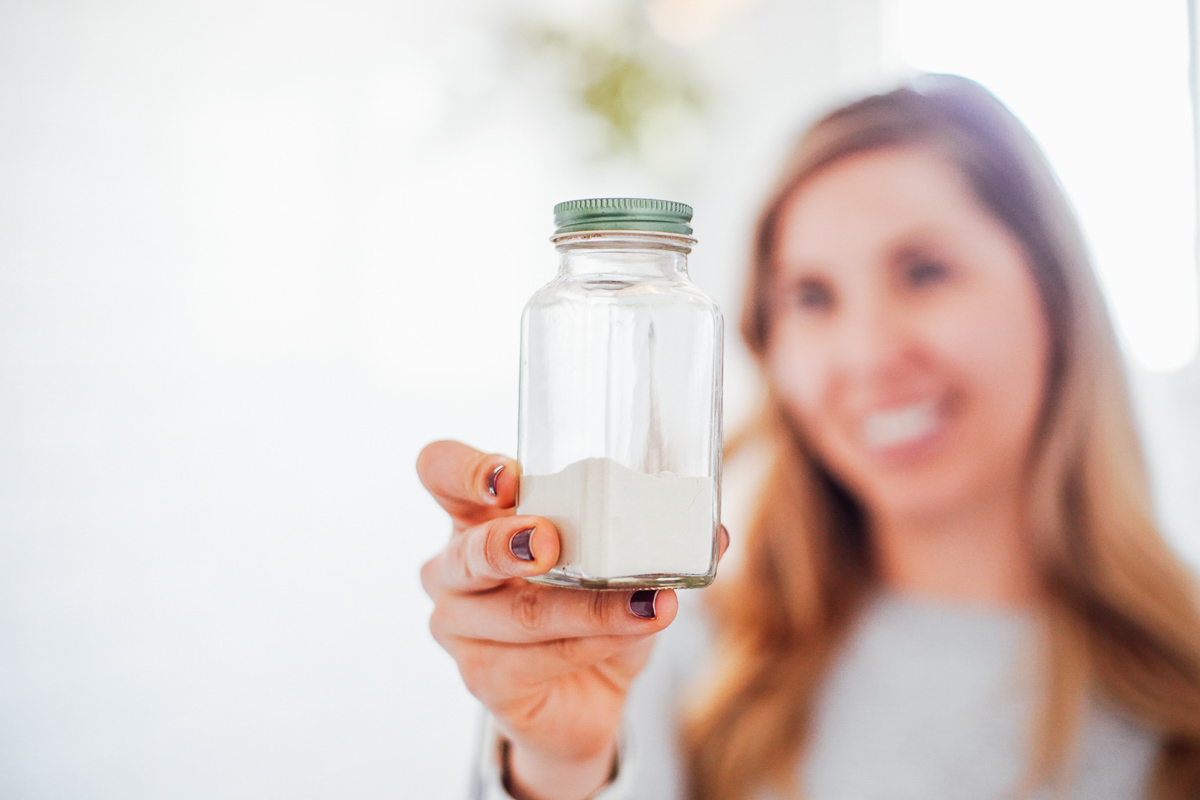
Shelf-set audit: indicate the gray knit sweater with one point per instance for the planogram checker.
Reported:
(927, 701)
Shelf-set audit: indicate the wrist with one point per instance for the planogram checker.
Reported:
(528, 775)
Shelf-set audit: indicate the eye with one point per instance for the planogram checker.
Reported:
(922, 272)
(812, 295)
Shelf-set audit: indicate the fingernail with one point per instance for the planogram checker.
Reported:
(492, 479)
(519, 544)
(641, 603)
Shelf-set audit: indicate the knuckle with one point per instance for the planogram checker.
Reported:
(472, 477)
(448, 643)
(568, 650)
(475, 673)
(427, 461)
(458, 556)
(529, 611)
(429, 571)
(442, 628)
(437, 623)
(426, 457)
(599, 609)
(493, 546)
(480, 465)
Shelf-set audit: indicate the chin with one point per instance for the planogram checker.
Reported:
(914, 493)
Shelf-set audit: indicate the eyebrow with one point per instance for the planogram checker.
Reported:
(790, 272)
(918, 241)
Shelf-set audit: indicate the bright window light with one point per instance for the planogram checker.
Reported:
(1104, 88)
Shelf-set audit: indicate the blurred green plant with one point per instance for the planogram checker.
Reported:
(620, 74)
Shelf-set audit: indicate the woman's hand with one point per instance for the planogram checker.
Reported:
(552, 665)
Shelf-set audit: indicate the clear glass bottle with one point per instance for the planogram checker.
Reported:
(620, 411)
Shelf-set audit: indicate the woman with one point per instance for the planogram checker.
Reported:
(952, 586)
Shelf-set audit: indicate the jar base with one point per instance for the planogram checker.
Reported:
(561, 578)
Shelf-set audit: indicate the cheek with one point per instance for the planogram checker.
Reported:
(799, 373)
(999, 345)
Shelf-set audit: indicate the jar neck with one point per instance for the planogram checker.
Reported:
(639, 254)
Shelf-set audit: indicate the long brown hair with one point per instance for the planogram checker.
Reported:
(1121, 611)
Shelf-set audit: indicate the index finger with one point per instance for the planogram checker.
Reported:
(485, 556)
(472, 486)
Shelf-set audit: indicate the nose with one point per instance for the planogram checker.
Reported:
(873, 342)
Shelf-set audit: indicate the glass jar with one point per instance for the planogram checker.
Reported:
(620, 411)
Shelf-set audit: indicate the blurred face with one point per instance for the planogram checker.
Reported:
(908, 340)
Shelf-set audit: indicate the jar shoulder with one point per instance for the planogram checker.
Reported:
(607, 291)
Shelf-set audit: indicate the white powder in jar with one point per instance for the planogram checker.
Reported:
(614, 522)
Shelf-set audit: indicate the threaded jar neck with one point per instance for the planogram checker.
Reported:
(631, 254)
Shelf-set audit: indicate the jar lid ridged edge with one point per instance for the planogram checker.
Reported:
(623, 213)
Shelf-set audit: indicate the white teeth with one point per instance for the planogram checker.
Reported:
(899, 426)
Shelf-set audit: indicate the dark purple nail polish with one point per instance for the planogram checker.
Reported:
(492, 479)
(519, 544)
(641, 603)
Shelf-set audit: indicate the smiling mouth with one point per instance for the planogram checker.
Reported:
(897, 427)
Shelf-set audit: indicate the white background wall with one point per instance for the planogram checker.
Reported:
(252, 256)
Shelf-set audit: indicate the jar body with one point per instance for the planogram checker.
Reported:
(620, 415)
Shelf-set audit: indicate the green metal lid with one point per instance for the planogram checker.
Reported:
(622, 214)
